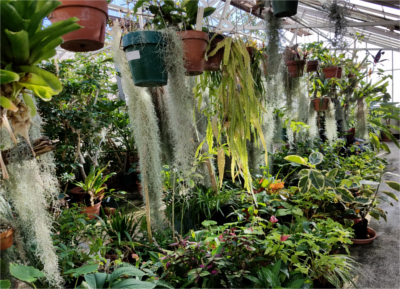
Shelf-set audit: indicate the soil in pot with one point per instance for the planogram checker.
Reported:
(334, 71)
(214, 62)
(195, 46)
(284, 8)
(78, 194)
(92, 14)
(312, 65)
(321, 104)
(6, 237)
(143, 51)
(371, 236)
(295, 68)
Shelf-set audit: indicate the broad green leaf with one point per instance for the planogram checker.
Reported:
(317, 179)
(375, 141)
(25, 273)
(83, 270)
(374, 214)
(29, 102)
(295, 284)
(296, 160)
(366, 192)
(5, 284)
(7, 76)
(160, 283)
(96, 280)
(345, 194)
(332, 173)
(253, 279)
(304, 184)
(283, 212)
(133, 284)
(390, 194)
(362, 200)
(6, 103)
(315, 158)
(125, 271)
(385, 147)
(208, 223)
(393, 185)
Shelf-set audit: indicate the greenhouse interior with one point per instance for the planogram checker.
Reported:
(200, 144)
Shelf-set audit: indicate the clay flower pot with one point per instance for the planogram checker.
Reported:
(321, 104)
(78, 193)
(195, 45)
(295, 68)
(214, 62)
(92, 210)
(350, 76)
(334, 71)
(372, 236)
(92, 14)
(6, 239)
(139, 186)
(312, 65)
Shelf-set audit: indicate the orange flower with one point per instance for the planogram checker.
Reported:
(278, 186)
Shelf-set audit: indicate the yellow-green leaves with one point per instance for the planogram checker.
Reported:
(8, 76)
(296, 159)
(221, 164)
(6, 103)
(393, 185)
(29, 102)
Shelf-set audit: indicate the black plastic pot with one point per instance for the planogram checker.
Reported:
(284, 8)
(361, 229)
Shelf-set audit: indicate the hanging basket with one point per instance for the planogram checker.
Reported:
(331, 72)
(144, 53)
(295, 68)
(214, 62)
(312, 65)
(92, 14)
(195, 46)
(321, 104)
(6, 239)
(284, 8)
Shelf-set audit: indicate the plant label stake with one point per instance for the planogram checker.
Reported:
(199, 20)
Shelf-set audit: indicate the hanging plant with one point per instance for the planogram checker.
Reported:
(330, 123)
(337, 11)
(236, 110)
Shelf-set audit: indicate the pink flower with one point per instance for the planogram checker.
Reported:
(284, 238)
(168, 263)
(273, 219)
(136, 257)
(214, 272)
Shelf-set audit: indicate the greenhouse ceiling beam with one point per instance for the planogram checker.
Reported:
(387, 3)
(349, 24)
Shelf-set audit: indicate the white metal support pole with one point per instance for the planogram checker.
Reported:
(141, 25)
(223, 15)
(392, 78)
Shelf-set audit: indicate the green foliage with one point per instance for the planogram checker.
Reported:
(26, 273)
(5, 284)
(25, 44)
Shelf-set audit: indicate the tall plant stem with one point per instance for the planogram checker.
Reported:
(212, 176)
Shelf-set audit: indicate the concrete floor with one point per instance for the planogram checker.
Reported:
(380, 260)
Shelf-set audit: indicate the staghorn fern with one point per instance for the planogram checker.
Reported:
(143, 120)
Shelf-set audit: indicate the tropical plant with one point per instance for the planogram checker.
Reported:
(168, 15)
(94, 184)
(329, 59)
(236, 109)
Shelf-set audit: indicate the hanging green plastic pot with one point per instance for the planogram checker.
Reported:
(144, 53)
(284, 8)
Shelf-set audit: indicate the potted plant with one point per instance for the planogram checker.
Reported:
(321, 90)
(6, 236)
(95, 190)
(284, 8)
(92, 14)
(144, 54)
(295, 60)
(195, 41)
(367, 203)
(213, 63)
(331, 65)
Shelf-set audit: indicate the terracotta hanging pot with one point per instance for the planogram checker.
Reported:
(334, 71)
(350, 76)
(6, 239)
(321, 104)
(92, 210)
(92, 14)
(295, 68)
(214, 62)
(195, 45)
(78, 193)
(312, 65)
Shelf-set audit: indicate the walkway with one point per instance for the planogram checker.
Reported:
(380, 260)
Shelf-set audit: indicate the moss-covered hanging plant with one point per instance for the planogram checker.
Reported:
(143, 120)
